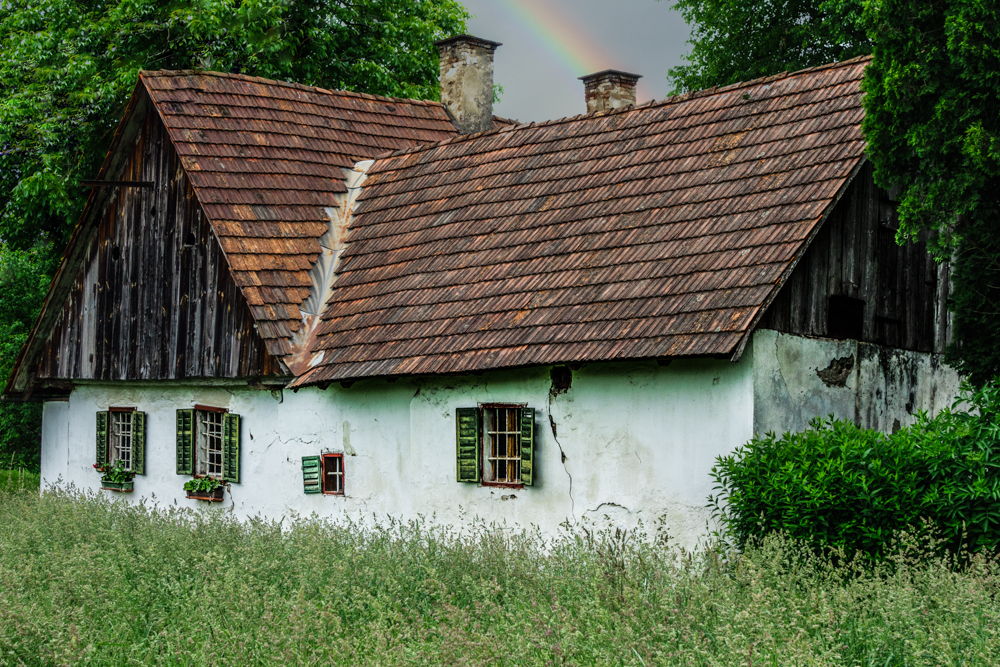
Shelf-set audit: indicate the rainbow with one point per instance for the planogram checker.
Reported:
(567, 41)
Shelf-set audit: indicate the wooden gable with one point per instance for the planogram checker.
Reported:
(855, 276)
(155, 298)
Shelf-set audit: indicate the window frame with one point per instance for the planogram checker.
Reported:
(194, 439)
(323, 474)
(109, 447)
(484, 443)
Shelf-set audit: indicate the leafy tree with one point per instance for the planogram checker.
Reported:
(734, 40)
(933, 127)
(68, 68)
(24, 277)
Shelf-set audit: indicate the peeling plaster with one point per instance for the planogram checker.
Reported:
(797, 379)
(836, 374)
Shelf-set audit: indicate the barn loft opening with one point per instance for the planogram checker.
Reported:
(845, 317)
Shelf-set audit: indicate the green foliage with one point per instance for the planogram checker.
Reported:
(90, 580)
(932, 109)
(202, 484)
(837, 486)
(975, 298)
(24, 277)
(733, 41)
(115, 472)
(932, 121)
(67, 69)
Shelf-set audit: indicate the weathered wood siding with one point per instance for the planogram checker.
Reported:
(855, 255)
(155, 299)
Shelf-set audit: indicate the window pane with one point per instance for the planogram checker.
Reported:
(208, 458)
(333, 473)
(121, 438)
(502, 445)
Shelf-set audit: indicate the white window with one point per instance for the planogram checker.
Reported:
(208, 457)
(120, 440)
(333, 474)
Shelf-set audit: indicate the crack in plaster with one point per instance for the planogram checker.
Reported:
(562, 455)
(607, 504)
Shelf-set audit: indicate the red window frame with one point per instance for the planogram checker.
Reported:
(323, 474)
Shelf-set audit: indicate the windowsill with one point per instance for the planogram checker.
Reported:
(503, 485)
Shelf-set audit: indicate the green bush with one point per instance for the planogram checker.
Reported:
(91, 580)
(837, 486)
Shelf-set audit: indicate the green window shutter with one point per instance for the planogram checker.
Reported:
(101, 454)
(527, 446)
(185, 442)
(467, 447)
(139, 443)
(231, 448)
(311, 474)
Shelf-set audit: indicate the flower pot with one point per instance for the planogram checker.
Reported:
(121, 487)
(210, 496)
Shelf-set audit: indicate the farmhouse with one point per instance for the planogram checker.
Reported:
(354, 305)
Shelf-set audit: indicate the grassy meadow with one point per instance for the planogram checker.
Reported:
(86, 580)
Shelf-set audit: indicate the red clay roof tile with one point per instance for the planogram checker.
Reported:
(657, 231)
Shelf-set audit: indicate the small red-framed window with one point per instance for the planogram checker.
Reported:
(333, 474)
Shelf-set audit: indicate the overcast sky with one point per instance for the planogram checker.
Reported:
(547, 44)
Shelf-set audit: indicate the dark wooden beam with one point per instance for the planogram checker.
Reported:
(108, 184)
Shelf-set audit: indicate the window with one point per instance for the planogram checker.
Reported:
(845, 318)
(120, 448)
(208, 443)
(496, 444)
(333, 474)
(208, 431)
(121, 436)
(323, 474)
(501, 453)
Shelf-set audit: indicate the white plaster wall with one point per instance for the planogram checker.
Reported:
(55, 440)
(634, 441)
(885, 389)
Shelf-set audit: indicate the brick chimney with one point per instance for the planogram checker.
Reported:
(610, 89)
(467, 81)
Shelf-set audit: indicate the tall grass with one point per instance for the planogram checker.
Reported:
(19, 480)
(87, 580)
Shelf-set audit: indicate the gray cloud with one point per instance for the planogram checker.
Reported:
(641, 36)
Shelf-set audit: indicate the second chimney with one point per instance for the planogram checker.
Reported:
(467, 81)
(610, 89)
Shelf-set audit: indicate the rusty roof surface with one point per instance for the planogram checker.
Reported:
(658, 231)
(266, 160)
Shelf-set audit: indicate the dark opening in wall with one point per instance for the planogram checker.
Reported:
(845, 318)
(189, 240)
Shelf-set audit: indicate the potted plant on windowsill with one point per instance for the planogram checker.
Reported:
(205, 488)
(116, 477)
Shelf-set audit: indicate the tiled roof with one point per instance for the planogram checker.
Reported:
(266, 159)
(659, 231)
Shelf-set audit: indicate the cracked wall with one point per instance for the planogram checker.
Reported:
(797, 379)
(635, 442)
